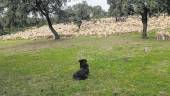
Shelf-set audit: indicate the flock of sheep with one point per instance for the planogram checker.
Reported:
(100, 27)
(163, 35)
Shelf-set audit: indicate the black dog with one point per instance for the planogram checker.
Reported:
(83, 73)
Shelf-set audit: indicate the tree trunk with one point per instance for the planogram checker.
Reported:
(145, 23)
(116, 19)
(56, 35)
(168, 7)
(144, 34)
(46, 14)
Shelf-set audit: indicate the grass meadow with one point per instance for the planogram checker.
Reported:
(120, 65)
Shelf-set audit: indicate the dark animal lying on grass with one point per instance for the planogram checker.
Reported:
(83, 73)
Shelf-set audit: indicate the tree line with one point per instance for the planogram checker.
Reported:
(24, 13)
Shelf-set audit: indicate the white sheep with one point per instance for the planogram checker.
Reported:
(167, 35)
(162, 35)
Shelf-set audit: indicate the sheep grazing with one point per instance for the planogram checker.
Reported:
(167, 35)
(83, 73)
(162, 35)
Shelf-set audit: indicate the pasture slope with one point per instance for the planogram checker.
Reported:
(119, 66)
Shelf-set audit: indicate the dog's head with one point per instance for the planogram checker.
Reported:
(82, 61)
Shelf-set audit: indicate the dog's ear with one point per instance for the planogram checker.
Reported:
(85, 60)
(82, 61)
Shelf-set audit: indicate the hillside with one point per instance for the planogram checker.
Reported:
(102, 27)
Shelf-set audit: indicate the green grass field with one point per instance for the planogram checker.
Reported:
(119, 66)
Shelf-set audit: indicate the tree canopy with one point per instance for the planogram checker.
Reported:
(118, 8)
(144, 8)
(85, 11)
(18, 11)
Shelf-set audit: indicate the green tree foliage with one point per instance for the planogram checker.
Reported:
(144, 8)
(1, 23)
(10, 14)
(98, 12)
(118, 8)
(46, 8)
(86, 12)
(17, 11)
(63, 16)
(82, 11)
(161, 8)
(78, 22)
(1, 27)
(168, 6)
